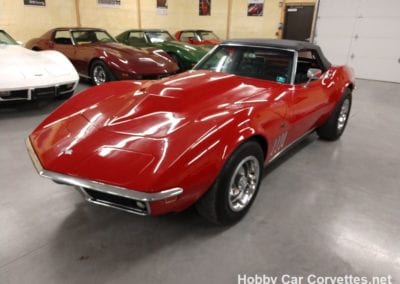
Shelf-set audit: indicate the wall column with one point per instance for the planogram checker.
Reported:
(228, 19)
(77, 13)
(139, 14)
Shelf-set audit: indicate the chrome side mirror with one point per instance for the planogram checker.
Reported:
(313, 74)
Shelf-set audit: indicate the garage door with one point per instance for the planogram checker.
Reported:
(364, 34)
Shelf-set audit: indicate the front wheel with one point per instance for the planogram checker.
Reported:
(337, 122)
(100, 73)
(236, 187)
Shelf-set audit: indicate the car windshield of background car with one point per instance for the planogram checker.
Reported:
(208, 36)
(158, 37)
(6, 39)
(87, 37)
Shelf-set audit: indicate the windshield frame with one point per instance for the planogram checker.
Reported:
(217, 47)
(147, 34)
(200, 35)
(7, 36)
(76, 42)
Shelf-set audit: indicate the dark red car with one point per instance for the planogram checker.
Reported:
(198, 37)
(98, 56)
(201, 137)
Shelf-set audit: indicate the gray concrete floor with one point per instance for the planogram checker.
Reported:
(325, 209)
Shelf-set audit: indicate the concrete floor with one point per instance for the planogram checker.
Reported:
(325, 209)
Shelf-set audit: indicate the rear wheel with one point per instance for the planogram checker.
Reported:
(100, 73)
(336, 124)
(236, 187)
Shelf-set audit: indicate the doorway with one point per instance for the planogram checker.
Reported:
(298, 22)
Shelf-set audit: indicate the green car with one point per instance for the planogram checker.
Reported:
(186, 55)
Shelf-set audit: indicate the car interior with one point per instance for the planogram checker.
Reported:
(306, 59)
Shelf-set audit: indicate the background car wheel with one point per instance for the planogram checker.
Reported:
(336, 124)
(100, 73)
(236, 187)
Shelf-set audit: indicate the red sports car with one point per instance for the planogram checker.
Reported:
(201, 137)
(198, 37)
(98, 56)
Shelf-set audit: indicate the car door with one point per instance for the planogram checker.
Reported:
(309, 99)
(84, 49)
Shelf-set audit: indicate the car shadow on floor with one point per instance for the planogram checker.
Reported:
(101, 237)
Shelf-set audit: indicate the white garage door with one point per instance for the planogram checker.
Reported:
(365, 34)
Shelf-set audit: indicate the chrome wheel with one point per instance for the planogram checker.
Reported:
(99, 75)
(243, 183)
(343, 114)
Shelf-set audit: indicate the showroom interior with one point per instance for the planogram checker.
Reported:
(325, 212)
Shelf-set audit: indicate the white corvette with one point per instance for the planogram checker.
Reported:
(28, 75)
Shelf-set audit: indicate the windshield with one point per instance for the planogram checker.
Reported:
(157, 37)
(207, 35)
(6, 39)
(255, 62)
(86, 37)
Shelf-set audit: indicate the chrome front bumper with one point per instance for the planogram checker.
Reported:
(105, 194)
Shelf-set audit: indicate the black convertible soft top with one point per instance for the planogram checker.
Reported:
(281, 43)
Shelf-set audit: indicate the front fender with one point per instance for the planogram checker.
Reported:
(201, 160)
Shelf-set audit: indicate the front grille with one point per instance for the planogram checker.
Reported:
(44, 92)
(115, 201)
(15, 95)
(47, 92)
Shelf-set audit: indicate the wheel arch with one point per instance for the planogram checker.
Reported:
(92, 61)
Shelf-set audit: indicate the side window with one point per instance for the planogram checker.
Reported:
(307, 59)
(188, 36)
(136, 38)
(62, 37)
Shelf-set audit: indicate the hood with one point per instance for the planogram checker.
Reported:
(19, 63)
(144, 61)
(122, 133)
(160, 108)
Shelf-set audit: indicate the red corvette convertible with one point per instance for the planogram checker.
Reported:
(98, 56)
(201, 137)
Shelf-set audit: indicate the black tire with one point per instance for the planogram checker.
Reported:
(216, 205)
(100, 73)
(336, 124)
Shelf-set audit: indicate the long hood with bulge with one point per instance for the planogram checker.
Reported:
(23, 68)
(140, 129)
(148, 61)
